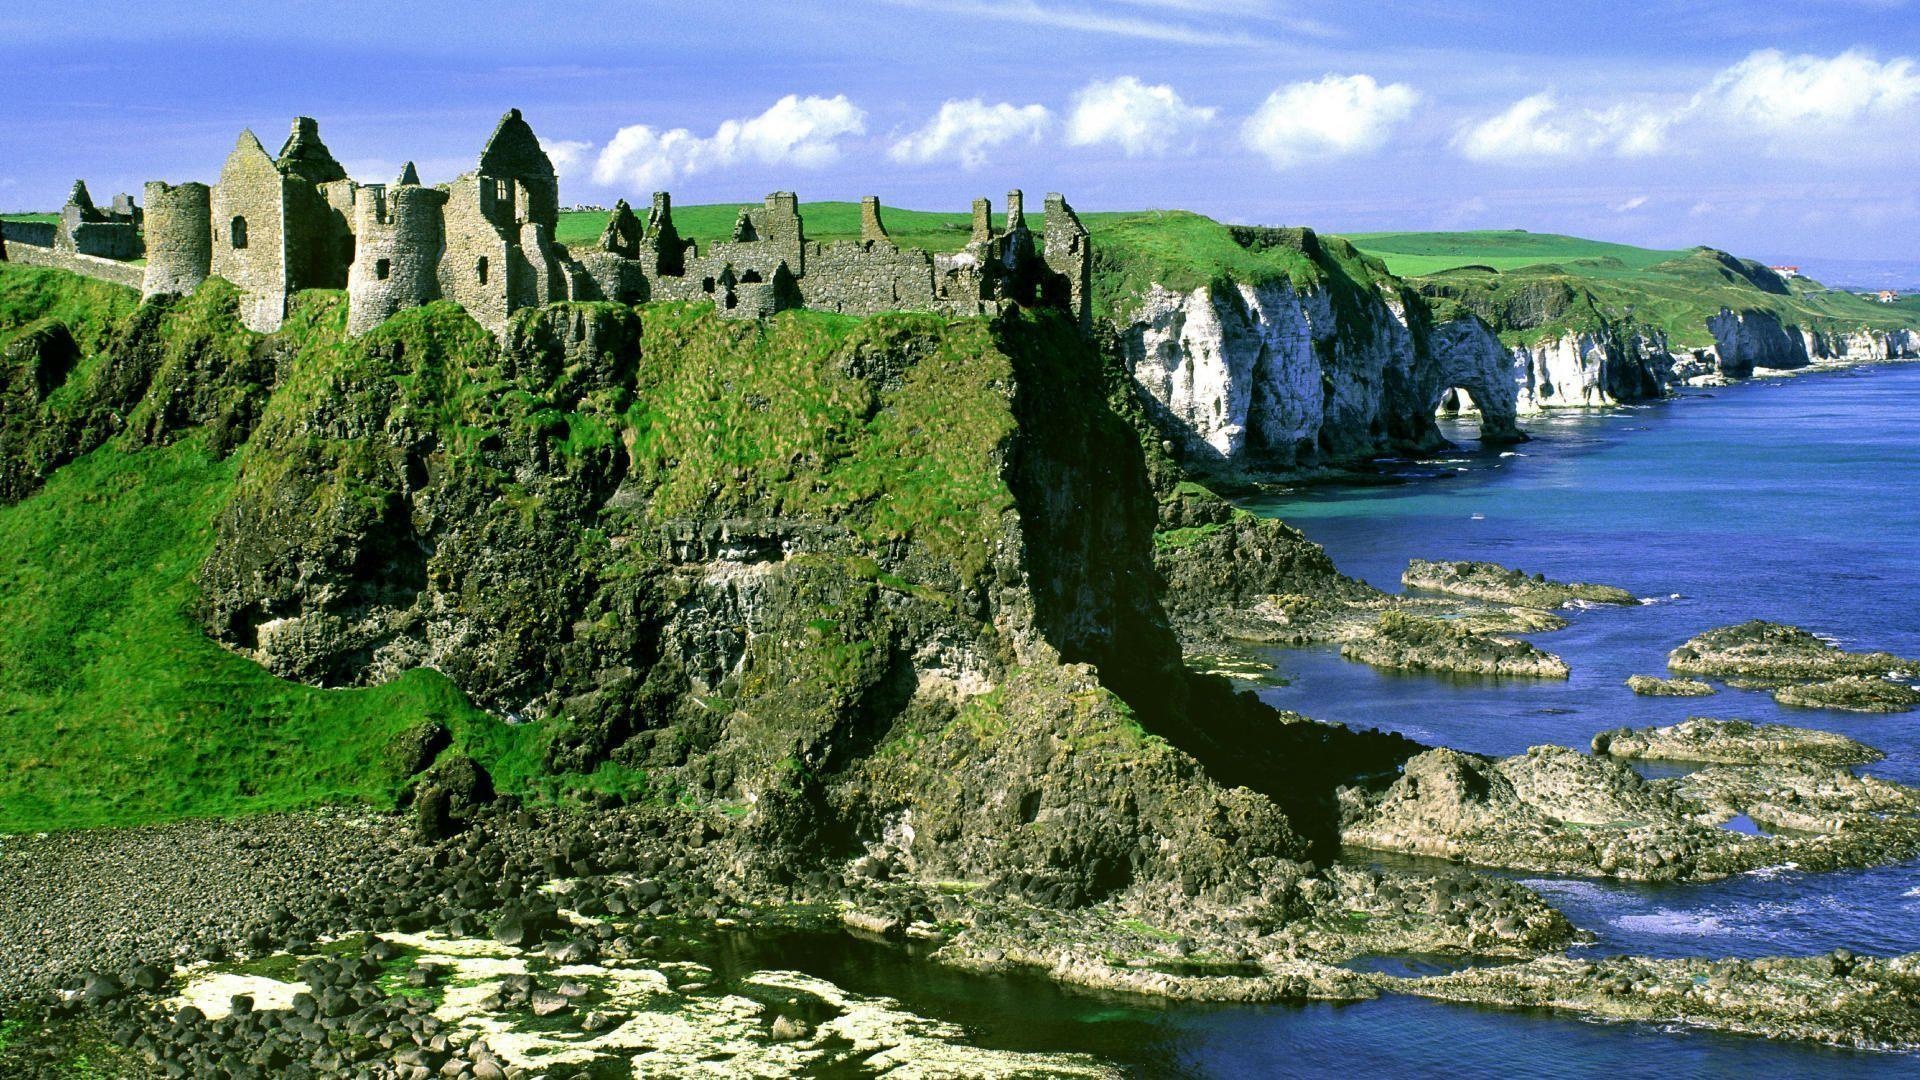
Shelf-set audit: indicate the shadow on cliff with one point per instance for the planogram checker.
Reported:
(1088, 510)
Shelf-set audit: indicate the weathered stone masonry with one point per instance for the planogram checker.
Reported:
(275, 225)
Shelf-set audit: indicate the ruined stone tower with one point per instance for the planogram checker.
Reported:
(499, 229)
(179, 237)
(400, 241)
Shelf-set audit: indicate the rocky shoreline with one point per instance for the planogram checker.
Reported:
(549, 945)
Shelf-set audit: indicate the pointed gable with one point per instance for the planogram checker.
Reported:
(513, 152)
(409, 176)
(247, 158)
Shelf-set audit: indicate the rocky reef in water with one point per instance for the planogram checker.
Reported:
(1555, 810)
(1489, 581)
(1733, 742)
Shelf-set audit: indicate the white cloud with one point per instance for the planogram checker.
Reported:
(1774, 92)
(1338, 116)
(1628, 206)
(568, 155)
(1537, 130)
(795, 131)
(1141, 120)
(1804, 102)
(964, 131)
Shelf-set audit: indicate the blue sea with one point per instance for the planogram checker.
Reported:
(1795, 499)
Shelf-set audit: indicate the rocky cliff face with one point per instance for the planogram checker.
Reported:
(1592, 368)
(1747, 340)
(1270, 376)
(876, 586)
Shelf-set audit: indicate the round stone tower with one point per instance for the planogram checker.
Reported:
(179, 237)
(401, 235)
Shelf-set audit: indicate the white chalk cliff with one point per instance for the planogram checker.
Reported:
(1270, 375)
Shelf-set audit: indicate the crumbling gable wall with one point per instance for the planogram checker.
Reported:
(1069, 257)
(249, 233)
(319, 210)
(513, 153)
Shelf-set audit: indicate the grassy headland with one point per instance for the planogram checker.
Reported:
(1531, 286)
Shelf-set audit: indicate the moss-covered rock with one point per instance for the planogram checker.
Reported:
(1491, 581)
(1418, 643)
(1853, 693)
(1772, 650)
(1733, 742)
(1654, 686)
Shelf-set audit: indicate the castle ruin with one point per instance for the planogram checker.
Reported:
(274, 225)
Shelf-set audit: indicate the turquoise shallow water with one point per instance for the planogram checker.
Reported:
(1789, 499)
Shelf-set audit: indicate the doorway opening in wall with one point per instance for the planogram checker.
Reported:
(237, 233)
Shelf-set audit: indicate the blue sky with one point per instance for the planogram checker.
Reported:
(1781, 131)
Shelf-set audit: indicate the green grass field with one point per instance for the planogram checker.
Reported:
(30, 217)
(1535, 285)
(929, 230)
(1416, 254)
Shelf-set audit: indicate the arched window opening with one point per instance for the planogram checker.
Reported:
(238, 233)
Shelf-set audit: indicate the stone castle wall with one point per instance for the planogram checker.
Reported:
(36, 233)
(249, 231)
(119, 273)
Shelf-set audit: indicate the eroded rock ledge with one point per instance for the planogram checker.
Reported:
(1775, 651)
(1417, 643)
(1491, 581)
(1733, 742)
(1555, 810)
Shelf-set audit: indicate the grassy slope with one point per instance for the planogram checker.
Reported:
(1515, 279)
(1416, 254)
(931, 230)
(115, 708)
(30, 217)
